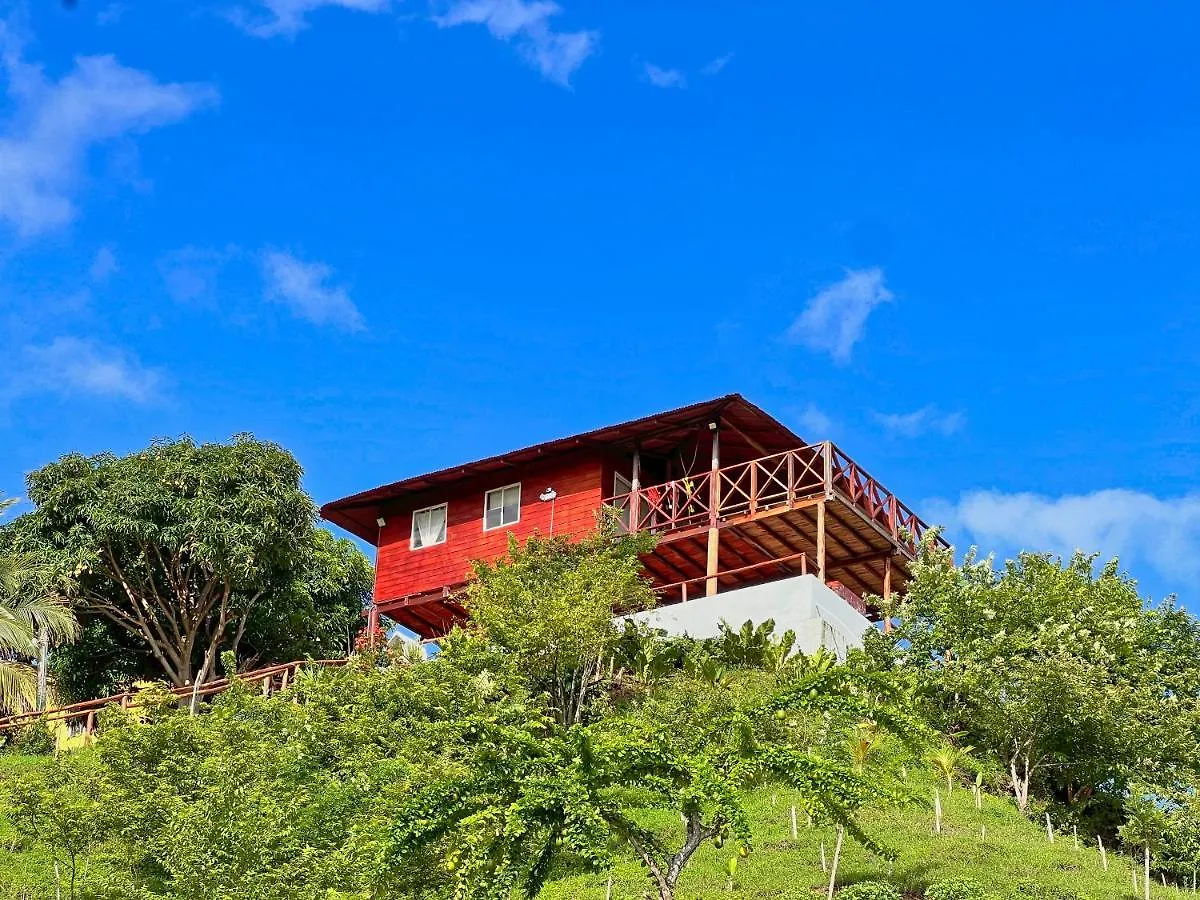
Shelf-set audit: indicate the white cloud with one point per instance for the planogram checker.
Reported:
(663, 78)
(45, 144)
(835, 318)
(525, 23)
(815, 424)
(104, 265)
(1141, 529)
(717, 65)
(190, 274)
(73, 367)
(926, 420)
(287, 18)
(303, 287)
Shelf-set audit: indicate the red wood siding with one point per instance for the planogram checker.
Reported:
(401, 571)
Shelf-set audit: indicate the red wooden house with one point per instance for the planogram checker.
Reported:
(734, 495)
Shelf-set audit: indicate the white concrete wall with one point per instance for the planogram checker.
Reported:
(802, 603)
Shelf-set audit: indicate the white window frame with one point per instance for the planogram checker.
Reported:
(621, 484)
(412, 537)
(496, 490)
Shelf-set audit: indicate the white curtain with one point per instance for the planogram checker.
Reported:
(431, 526)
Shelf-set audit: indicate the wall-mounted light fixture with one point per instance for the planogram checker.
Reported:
(381, 521)
(549, 495)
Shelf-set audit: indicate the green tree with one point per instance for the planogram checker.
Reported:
(1053, 668)
(536, 794)
(186, 548)
(550, 603)
(67, 808)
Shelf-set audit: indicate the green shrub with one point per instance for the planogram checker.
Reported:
(36, 738)
(1031, 890)
(870, 890)
(956, 889)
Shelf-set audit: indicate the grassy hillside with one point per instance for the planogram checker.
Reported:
(1013, 854)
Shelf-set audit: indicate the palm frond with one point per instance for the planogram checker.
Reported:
(18, 687)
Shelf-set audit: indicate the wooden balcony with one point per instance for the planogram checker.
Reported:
(773, 517)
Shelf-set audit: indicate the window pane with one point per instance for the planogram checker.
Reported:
(492, 520)
(429, 527)
(437, 523)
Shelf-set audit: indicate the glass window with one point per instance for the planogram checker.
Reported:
(429, 526)
(502, 507)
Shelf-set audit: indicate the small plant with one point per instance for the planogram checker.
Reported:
(956, 889)
(948, 759)
(1031, 890)
(36, 738)
(870, 890)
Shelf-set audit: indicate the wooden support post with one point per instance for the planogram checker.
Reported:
(635, 482)
(372, 624)
(710, 585)
(821, 540)
(887, 595)
(89, 726)
(714, 505)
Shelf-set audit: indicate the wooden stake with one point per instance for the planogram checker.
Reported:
(1049, 829)
(837, 852)
(1103, 854)
(1146, 879)
(937, 811)
(793, 823)
(608, 890)
(983, 832)
(1075, 833)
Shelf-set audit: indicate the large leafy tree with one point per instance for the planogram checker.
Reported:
(316, 615)
(187, 548)
(1056, 670)
(660, 778)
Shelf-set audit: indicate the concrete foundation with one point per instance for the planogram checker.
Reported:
(802, 603)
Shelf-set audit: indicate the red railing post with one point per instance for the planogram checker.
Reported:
(791, 477)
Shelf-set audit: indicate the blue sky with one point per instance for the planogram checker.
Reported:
(394, 235)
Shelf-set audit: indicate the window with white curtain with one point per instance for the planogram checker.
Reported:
(502, 507)
(429, 526)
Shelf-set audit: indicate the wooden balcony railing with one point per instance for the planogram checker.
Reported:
(782, 479)
(81, 717)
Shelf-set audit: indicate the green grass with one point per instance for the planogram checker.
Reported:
(1014, 852)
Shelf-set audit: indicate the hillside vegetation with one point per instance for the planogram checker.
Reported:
(1013, 859)
(545, 753)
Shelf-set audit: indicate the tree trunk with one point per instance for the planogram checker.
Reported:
(1147, 874)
